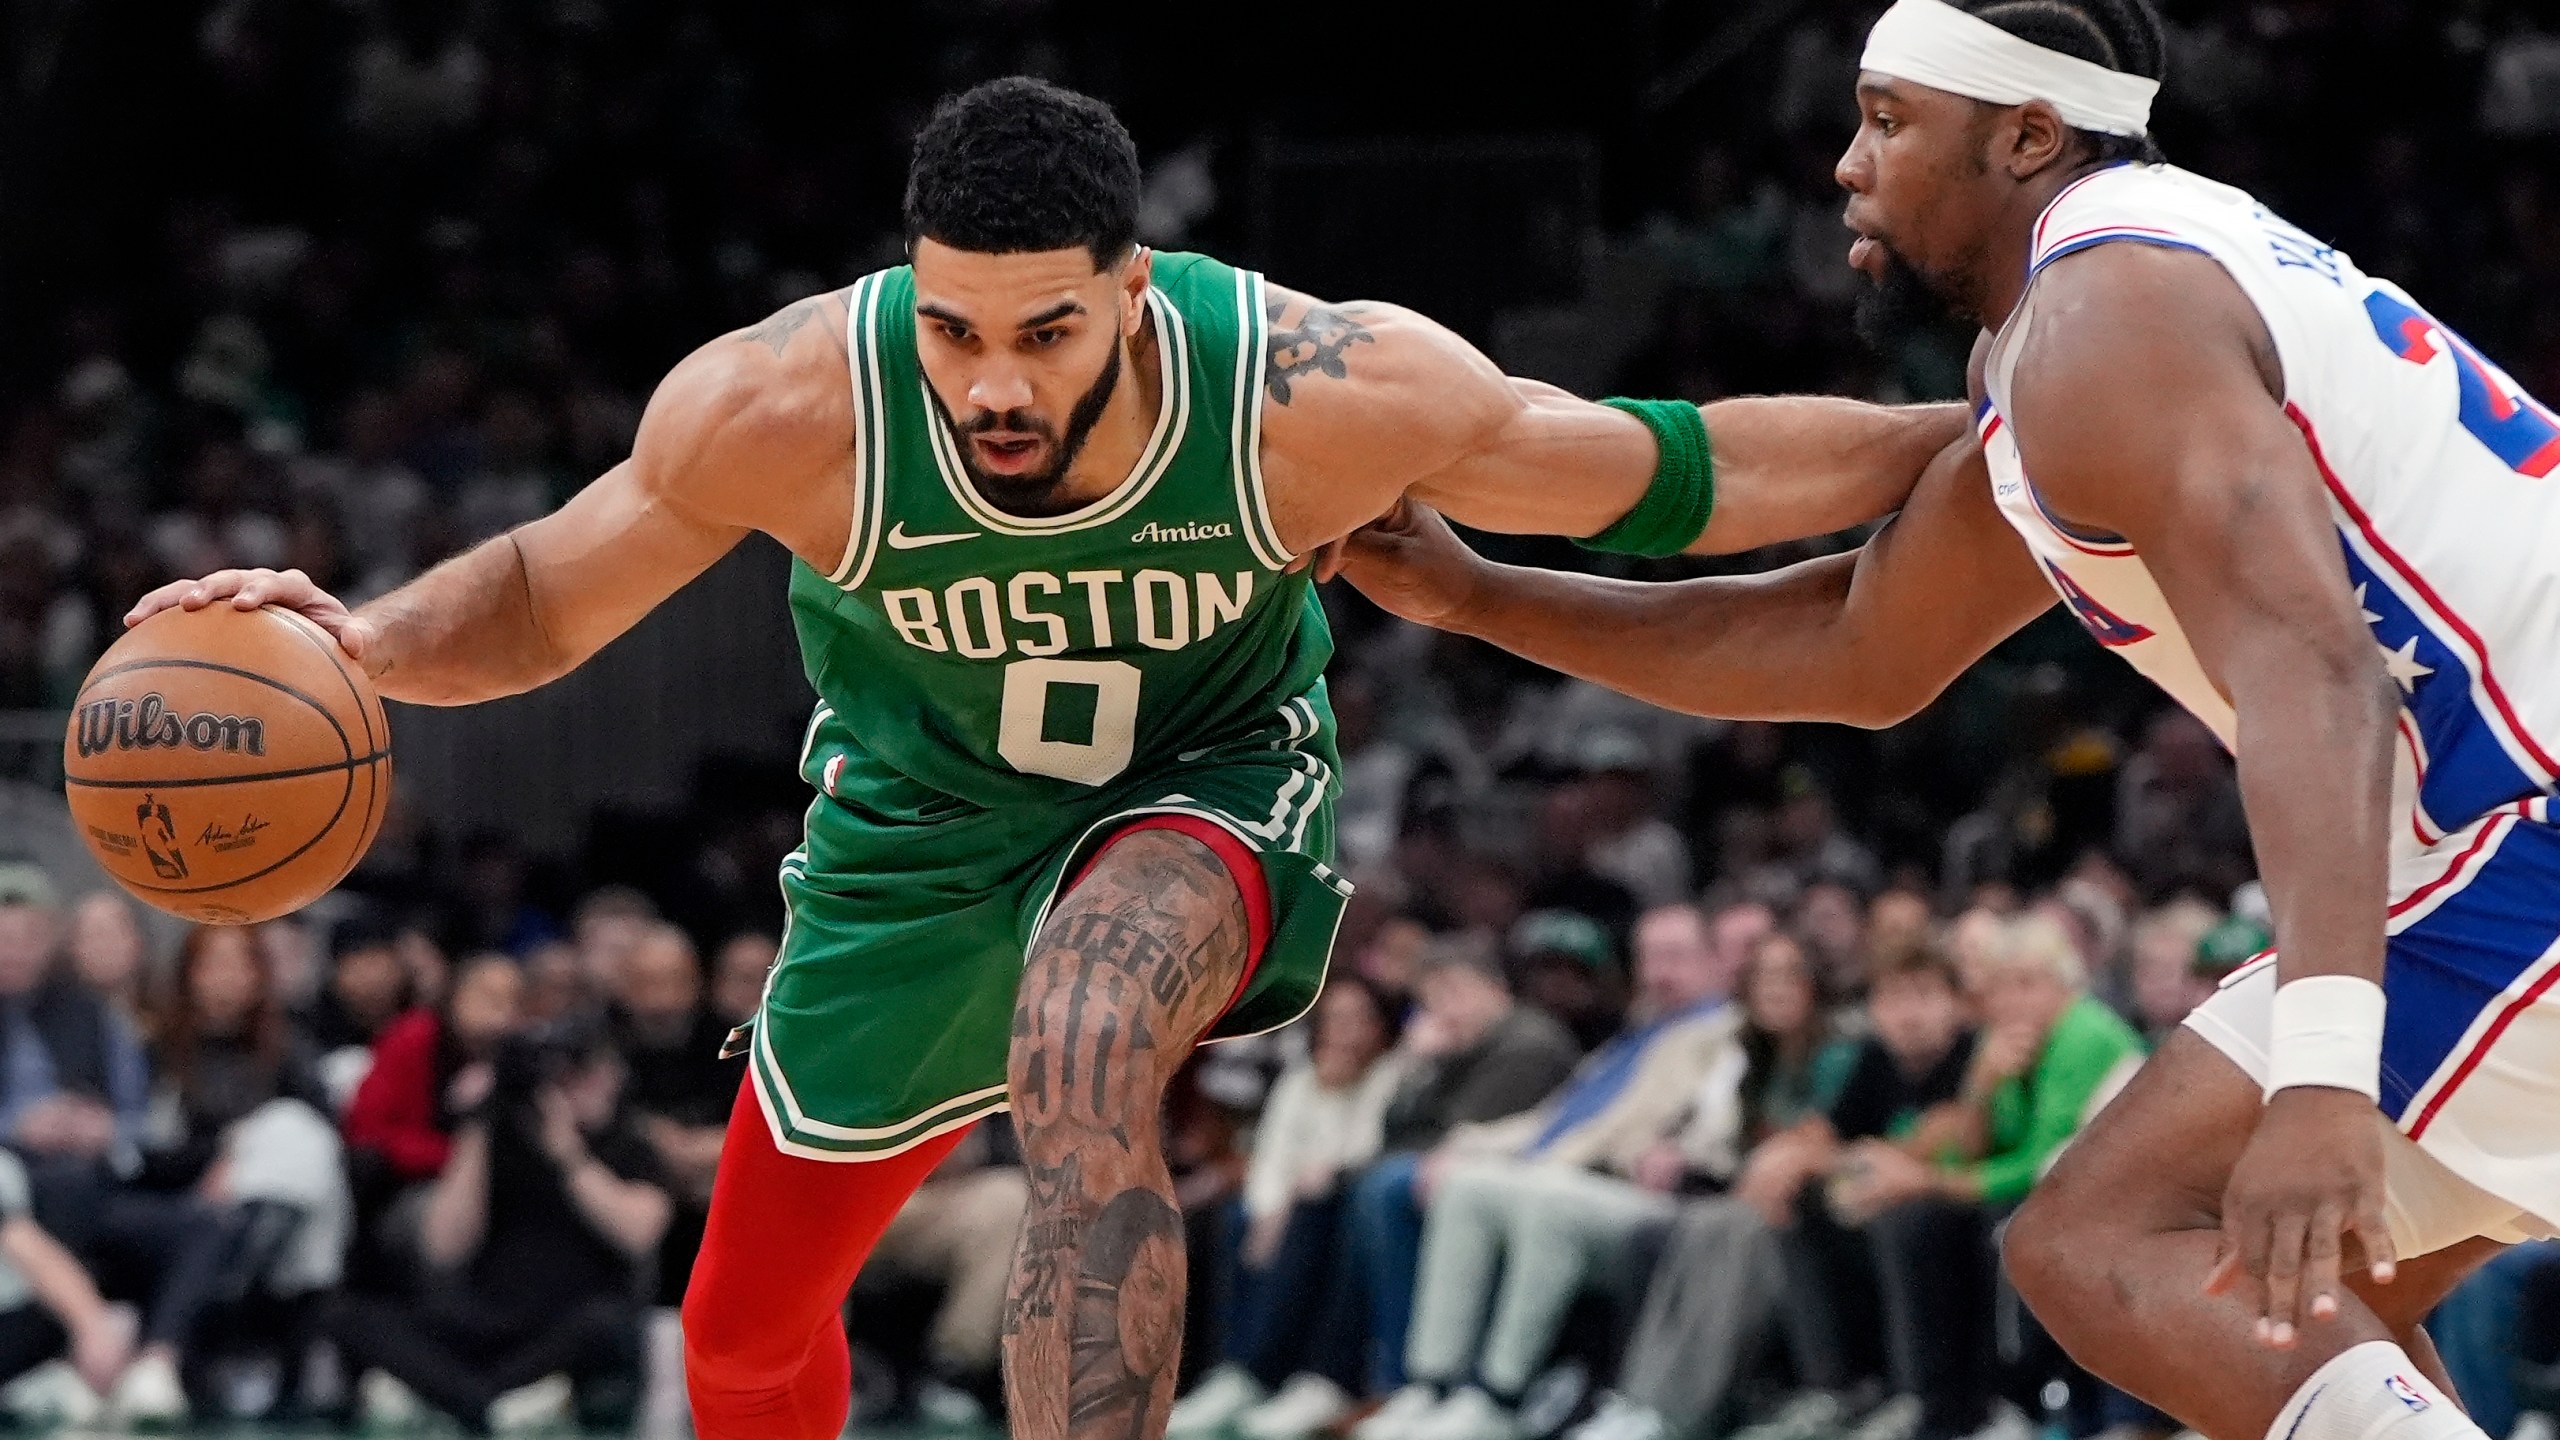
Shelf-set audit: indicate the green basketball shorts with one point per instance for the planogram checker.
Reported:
(887, 1019)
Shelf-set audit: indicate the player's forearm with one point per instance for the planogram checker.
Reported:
(1792, 466)
(1757, 647)
(463, 632)
(2316, 730)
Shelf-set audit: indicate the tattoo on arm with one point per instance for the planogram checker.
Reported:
(775, 330)
(1316, 345)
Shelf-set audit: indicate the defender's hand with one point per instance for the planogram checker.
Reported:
(1412, 564)
(249, 589)
(2312, 1175)
(1326, 559)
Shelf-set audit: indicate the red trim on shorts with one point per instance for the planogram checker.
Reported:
(1243, 866)
(2479, 1052)
(2497, 820)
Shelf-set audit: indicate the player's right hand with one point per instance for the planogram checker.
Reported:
(2312, 1175)
(249, 589)
(1413, 565)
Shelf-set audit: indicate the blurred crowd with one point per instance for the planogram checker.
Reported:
(1675, 1077)
(308, 1169)
(407, 270)
(1576, 1149)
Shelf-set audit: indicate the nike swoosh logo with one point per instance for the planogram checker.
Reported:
(899, 539)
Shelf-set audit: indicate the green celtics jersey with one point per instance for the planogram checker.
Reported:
(963, 653)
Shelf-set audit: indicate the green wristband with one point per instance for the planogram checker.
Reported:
(1674, 510)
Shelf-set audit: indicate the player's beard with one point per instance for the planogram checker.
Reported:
(1043, 491)
(1899, 301)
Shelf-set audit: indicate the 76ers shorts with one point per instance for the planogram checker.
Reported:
(2471, 1041)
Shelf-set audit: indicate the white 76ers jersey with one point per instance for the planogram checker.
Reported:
(2440, 478)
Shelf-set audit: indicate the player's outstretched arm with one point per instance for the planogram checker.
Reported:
(738, 437)
(2147, 402)
(1366, 402)
(1862, 639)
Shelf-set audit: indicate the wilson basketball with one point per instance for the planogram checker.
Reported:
(227, 766)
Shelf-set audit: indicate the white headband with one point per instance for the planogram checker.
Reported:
(1930, 42)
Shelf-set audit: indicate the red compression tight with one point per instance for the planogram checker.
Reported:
(764, 1348)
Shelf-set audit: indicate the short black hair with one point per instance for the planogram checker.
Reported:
(1019, 164)
(2123, 35)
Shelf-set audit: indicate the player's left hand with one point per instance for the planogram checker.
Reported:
(2312, 1175)
(1325, 559)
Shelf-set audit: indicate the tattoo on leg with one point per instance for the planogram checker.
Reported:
(1127, 1327)
(1133, 966)
(1316, 345)
(1050, 1232)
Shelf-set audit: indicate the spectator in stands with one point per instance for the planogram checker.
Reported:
(2050, 1054)
(1390, 958)
(240, 1128)
(73, 1077)
(555, 985)
(74, 1092)
(423, 956)
(297, 961)
(1477, 1056)
(222, 1047)
(2166, 979)
(607, 927)
(1294, 1325)
(2239, 939)
(368, 989)
(1832, 922)
(1771, 1251)
(1736, 931)
(1493, 1192)
(106, 949)
(1898, 921)
(737, 981)
(490, 910)
(539, 1233)
(2482, 1328)
(1614, 800)
(1710, 1296)
(2178, 815)
(680, 1089)
(1809, 842)
(50, 1307)
(1563, 963)
(430, 1069)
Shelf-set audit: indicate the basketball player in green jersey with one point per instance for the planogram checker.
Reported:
(1049, 494)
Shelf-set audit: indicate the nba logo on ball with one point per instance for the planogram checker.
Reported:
(2406, 1393)
(227, 766)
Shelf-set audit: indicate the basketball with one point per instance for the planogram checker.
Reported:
(227, 766)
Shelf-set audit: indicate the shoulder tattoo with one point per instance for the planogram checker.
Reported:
(1318, 344)
(775, 330)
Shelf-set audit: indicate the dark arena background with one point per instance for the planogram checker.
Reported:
(348, 285)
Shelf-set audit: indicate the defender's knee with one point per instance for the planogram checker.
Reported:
(2051, 1254)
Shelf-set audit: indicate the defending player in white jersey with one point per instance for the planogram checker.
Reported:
(2327, 526)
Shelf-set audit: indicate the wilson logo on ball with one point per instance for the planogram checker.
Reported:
(149, 724)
